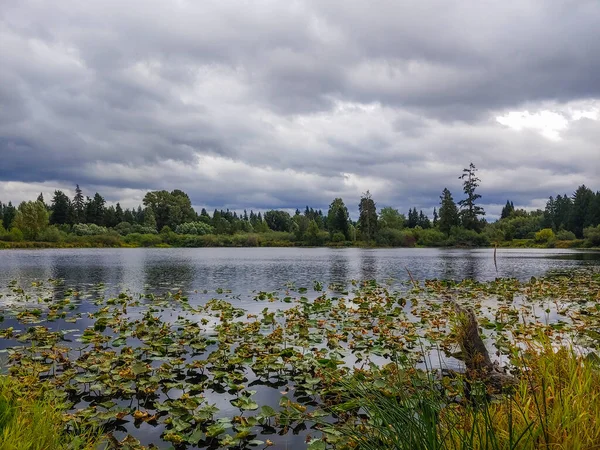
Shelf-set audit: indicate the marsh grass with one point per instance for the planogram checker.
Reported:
(28, 421)
(555, 405)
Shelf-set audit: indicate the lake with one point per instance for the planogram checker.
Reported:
(243, 270)
(236, 275)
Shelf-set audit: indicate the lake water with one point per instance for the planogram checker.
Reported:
(243, 270)
(199, 273)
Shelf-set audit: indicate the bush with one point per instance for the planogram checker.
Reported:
(395, 238)
(143, 240)
(431, 238)
(461, 237)
(338, 237)
(592, 236)
(545, 236)
(195, 228)
(51, 234)
(14, 235)
(564, 235)
(88, 229)
(140, 229)
(124, 228)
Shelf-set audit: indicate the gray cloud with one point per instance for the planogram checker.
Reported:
(282, 104)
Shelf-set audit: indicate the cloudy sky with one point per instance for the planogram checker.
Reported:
(283, 103)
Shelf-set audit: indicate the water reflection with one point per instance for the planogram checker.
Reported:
(247, 269)
(339, 267)
(368, 265)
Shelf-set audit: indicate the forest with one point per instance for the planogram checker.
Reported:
(169, 219)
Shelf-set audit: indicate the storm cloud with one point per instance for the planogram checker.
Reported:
(280, 104)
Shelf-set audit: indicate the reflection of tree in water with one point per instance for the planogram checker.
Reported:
(457, 267)
(368, 265)
(79, 277)
(169, 276)
(339, 266)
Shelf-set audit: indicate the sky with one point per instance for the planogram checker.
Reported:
(282, 104)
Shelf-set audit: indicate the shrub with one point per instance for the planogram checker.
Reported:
(338, 237)
(51, 234)
(544, 236)
(14, 235)
(140, 229)
(461, 237)
(395, 238)
(431, 238)
(592, 236)
(88, 229)
(143, 240)
(124, 228)
(565, 235)
(195, 228)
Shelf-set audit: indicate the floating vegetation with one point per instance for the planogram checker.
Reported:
(155, 368)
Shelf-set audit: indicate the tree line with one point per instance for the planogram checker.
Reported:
(170, 214)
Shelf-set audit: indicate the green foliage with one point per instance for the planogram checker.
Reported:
(367, 217)
(32, 218)
(51, 234)
(29, 421)
(278, 220)
(61, 209)
(545, 236)
(448, 213)
(564, 235)
(143, 240)
(592, 236)
(338, 219)
(431, 238)
(462, 237)
(390, 237)
(88, 229)
(391, 218)
(338, 237)
(169, 208)
(470, 211)
(195, 228)
(14, 235)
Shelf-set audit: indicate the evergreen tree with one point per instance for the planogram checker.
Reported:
(338, 219)
(128, 216)
(367, 216)
(40, 199)
(596, 210)
(8, 216)
(95, 210)
(60, 208)
(470, 211)
(562, 212)
(435, 217)
(507, 210)
(424, 221)
(549, 220)
(119, 215)
(78, 206)
(581, 212)
(448, 212)
(413, 218)
(110, 217)
(149, 219)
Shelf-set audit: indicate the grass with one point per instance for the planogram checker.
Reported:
(555, 405)
(28, 421)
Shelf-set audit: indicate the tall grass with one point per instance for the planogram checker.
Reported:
(555, 405)
(30, 422)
